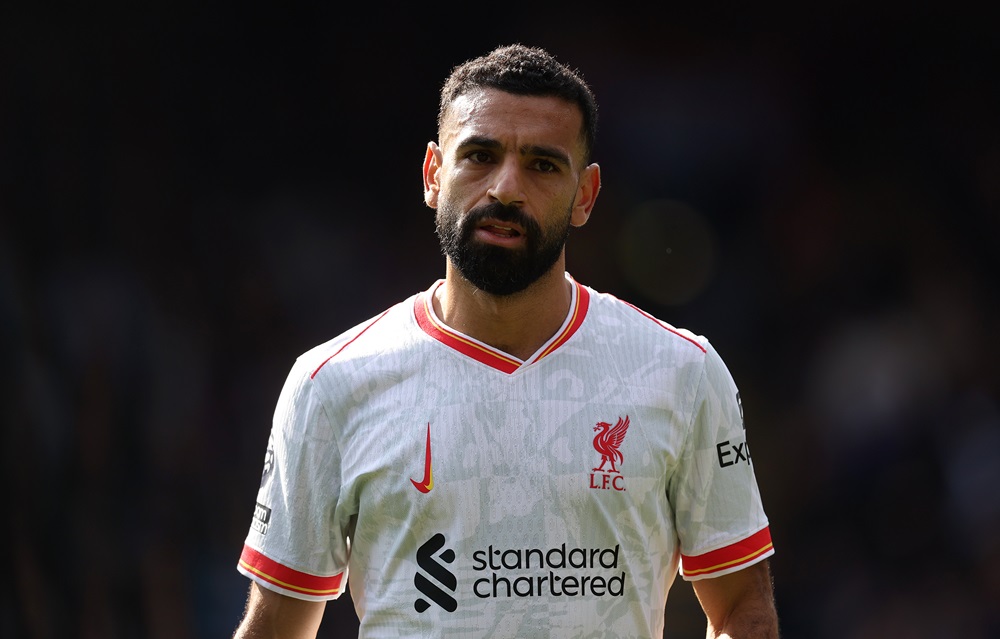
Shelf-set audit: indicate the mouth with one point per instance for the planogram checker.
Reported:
(497, 232)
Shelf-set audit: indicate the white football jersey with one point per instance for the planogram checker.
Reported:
(472, 494)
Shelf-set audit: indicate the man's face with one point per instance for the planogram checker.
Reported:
(505, 181)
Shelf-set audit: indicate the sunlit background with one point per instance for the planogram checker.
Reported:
(192, 196)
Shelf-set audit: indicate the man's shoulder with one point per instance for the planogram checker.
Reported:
(627, 320)
(388, 329)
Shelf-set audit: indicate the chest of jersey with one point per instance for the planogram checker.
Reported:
(443, 428)
(555, 475)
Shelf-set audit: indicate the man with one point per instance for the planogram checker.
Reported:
(509, 453)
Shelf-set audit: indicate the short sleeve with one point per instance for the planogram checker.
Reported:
(717, 504)
(294, 545)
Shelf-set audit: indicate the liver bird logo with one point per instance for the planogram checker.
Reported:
(607, 441)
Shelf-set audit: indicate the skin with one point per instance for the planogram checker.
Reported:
(527, 151)
(740, 604)
(270, 615)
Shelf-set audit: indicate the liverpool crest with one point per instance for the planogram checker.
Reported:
(607, 442)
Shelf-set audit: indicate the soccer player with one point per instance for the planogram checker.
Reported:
(509, 453)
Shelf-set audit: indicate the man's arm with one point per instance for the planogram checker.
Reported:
(270, 615)
(739, 605)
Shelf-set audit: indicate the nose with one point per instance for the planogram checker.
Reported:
(507, 188)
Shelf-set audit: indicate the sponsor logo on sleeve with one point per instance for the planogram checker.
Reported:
(732, 453)
(739, 403)
(268, 461)
(261, 518)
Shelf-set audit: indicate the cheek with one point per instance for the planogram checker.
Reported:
(556, 195)
(448, 217)
(459, 194)
(447, 184)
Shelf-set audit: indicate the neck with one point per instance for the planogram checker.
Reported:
(516, 324)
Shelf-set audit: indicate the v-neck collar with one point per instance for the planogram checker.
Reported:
(484, 353)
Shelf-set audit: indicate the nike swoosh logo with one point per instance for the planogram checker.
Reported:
(428, 481)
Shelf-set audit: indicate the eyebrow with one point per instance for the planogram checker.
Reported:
(534, 149)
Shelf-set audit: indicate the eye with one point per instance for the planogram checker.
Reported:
(546, 166)
(479, 157)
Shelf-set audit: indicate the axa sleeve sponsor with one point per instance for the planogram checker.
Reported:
(292, 546)
(721, 522)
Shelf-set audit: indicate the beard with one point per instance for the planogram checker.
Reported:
(495, 269)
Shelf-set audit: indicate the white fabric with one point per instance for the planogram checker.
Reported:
(514, 487)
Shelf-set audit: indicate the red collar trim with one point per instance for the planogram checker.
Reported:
(486, 354)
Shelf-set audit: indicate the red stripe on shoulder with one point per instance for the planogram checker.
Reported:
(288, 578)
(349, 342)
(743, 552)
(663, 326)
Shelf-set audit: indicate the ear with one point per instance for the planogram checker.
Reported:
(586, 195)
(432, 169)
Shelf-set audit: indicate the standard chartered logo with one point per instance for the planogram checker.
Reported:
(427, 563)
(559, 571)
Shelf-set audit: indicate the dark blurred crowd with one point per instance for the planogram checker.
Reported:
(188, 202)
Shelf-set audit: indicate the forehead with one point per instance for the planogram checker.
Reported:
(513, 120)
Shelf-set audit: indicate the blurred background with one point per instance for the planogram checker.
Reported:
(191, 196)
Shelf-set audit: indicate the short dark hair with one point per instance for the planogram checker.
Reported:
(523, 70)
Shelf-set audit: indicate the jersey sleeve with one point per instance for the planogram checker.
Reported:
(719, 516)
(296, 544)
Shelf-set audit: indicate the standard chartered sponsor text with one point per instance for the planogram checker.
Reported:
(573, 572)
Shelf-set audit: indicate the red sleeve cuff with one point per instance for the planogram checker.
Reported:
(730, 558)
(254, 564)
